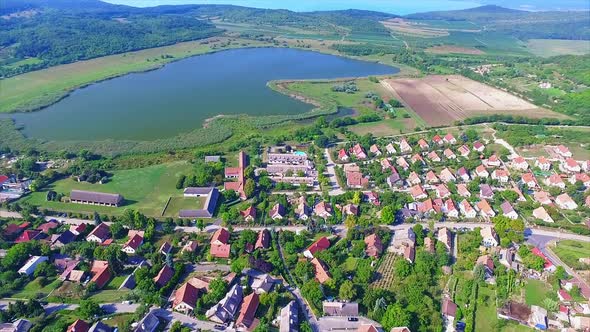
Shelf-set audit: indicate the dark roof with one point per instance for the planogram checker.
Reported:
(100, 327)
(102, 231)
(198, 190)
(96, 197)
(64, 238)
(164, 276)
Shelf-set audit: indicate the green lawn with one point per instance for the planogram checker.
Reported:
(570, 251)
(110, 296)
(552, 47)
(350, 264)
(145, 189)
(117, 320)
(115, 283)
(536, 291)
(486, 319)
(183, 203)
(34, 287)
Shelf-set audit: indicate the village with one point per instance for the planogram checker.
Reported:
(316, 239)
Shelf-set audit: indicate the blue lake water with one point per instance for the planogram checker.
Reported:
(180, 96)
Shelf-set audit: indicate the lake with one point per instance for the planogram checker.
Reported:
(180, 96)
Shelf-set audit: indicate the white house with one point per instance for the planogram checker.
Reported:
(32, 264)
(489, 236)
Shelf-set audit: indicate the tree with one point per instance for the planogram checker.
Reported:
(89, 309)
(560, 273)
(357, 197)
(347, 291)
(304, 271)
(387, 215)
(249, 187)
(395, 316)
(402, 268)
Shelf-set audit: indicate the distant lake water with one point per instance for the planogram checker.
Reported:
(180, 96)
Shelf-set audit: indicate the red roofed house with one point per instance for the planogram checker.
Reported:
(263, 241)
(543, 163)
(99, 234)
(520, 163)
(449, 154)
(572, 166)
(249, 214)
(485, 210)
(417, 192)
(442, 191)
(529, 180)
(433, 156)
(481, 171)
(564, 296)
(247, 318)
(46, 227)
(320, 244)
(449, 139)
(323, 210)
(79, 326)
(404, 146)
(101, 273)
(417, 158)
(565, 202)
(342, 155)
(374, 246)
(185, 298)
(478, 146)
(356, 180)
(581, 177)
(414, 178)
(501, 175)
(164, 276)
(450, 209)
(431, 177)
(548, 265)
(464, 151)
(232, 172)
(563, 151)
(358, 151)
(277, 212)
(77, 229)
(462, 190)
(437, 140)
(494, 161)
(220, 246)
(165, 248)
(133, 244)
(3, 178)
(555, 181)
(27, 235)
(321, 271)
(423, 144)
(374, 149)
(467, 210)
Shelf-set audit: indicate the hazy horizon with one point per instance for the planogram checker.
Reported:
(402, 7)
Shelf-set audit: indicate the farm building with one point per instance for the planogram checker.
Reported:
(211, 194)
(95, 198)
(32, 264)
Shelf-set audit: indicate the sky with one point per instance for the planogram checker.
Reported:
(401, 7)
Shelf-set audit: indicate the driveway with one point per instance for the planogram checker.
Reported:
(187, 321)
(330, 167)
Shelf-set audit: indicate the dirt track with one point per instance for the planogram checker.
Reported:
(442, 100)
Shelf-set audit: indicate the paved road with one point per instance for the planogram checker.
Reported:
(190, 322)
(69, 221)
(330, 167)
(107, 307)
(208, 268)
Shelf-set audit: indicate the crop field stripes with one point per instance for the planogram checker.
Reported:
(384, 274)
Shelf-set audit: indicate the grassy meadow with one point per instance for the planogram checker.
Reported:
(553, 47)
(145, 189)
(570, 251)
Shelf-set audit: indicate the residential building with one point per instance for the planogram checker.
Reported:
(433, 156)
(149, 323)
(541, 213)
(508, 210)
(390, 149)
(464, 151)
(449, 154)
(220, 247)
(77, 229)
(20, 325)
(580, 177)
(247, 316)
(467, 210)
(405, 147)
(486, 191)
(99, 234)
(226, 309)
(520, 163)
(374, 149)
(462, 190)
(571, 166)
(438, 140)
(418, 192)
(414, 179)
(190, 246)
(101, 273)
(100, 327)
(78, 326)
(417, 158)
(543, 164)
(447, 176)
(563, 151)
(358, 151)
(249, 214)
(538, 318)
(289, 318)
(449, 139)
(478, 146)
(319, 245)
(401, 162)
(442, 191)
(321, 271)
(449, 312)
(445, 237)
(431, 178)
(134, 242)
(277, 212)
(481, 171)
(323, 210)
(555, 181)
(485, 210)
(350, 210)
(356, 180)
(423, 144)
(489, 236)
(463, 174)
(185, 298)
(164, 276)
(29, 235)
(529, 180)
(501, 175)
(29, 267)
(450, 210)
(95, 198)
(343, 156)
(564, 201)
(542, 197)
(347, 309)
(374, 247)
(493, 161)
(165, 248)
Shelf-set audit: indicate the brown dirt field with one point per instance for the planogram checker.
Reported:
(442, 100)
(446, 49)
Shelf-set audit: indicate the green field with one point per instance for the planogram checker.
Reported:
(183, 203)
(553, 47)
(145, 189)
(570, 251)
(39, 88)
(34, 288)
(536, 291)
(110, 296)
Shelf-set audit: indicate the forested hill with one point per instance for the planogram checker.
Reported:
(45, 33)
(521, 24)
